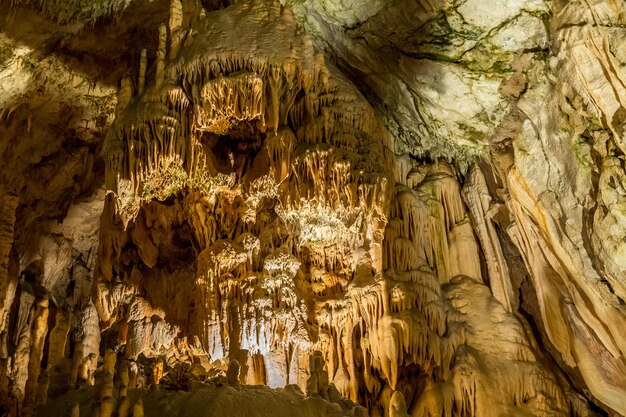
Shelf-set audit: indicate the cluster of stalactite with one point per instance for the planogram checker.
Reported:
(271, 207)
(258, 225)
(283, 231)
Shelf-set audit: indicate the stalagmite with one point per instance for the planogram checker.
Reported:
(317, 383)
(397, 405)
(106, 404)
(175, 26)
(232, 374)
(125, 95)
(160, 56)
(143, 66)
(40, 329)
(8, 204)
(138, 409)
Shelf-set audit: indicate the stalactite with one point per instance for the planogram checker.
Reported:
(480, 204)
(259, 227)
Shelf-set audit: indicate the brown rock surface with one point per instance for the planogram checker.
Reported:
(417, 207)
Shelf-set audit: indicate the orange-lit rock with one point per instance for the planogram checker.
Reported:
(312, 208)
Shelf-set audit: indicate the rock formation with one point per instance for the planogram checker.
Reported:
(312, 207)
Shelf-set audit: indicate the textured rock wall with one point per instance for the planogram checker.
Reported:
(417, 203)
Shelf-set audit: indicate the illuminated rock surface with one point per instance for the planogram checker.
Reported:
(382, 208)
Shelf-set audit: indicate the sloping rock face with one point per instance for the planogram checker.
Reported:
(416, 207)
